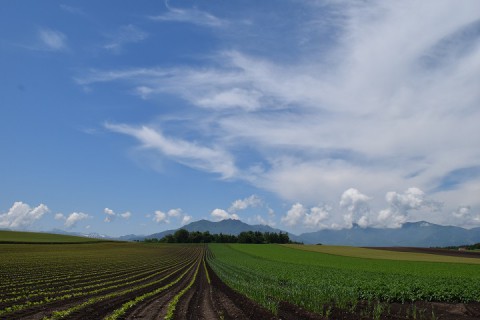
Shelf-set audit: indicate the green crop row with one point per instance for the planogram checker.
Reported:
(272, 273)
(95, 272)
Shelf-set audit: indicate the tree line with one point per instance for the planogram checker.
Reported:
(184, 236)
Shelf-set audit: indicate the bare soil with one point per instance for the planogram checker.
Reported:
(444, 252)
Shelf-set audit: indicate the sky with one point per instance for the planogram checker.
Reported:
(127, 117)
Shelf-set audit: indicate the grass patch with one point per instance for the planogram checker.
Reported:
(40, 237)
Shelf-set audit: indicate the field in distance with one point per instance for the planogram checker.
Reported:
(392, 254)
(40, 237)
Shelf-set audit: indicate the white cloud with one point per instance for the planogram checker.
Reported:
(242, 204)
(74, 218)
(210, 159)
(193, 16)
(125, 35)
(52, 39)
(60, 216)
(160, 217)
(21, 215)
(462, 212)
(401, 205)
(126, 215)
(465, 217)
(220, 214)
(175, 212)
(357, 206)
(310, 218)
(111, 215)
(186, 219)
(379, 106)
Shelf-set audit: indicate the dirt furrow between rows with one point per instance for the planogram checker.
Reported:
(45, 310)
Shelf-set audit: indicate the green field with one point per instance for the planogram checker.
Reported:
(40, 237)
(314, 280)
(54, 281)
(382, 254)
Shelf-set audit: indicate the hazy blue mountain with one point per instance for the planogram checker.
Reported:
(228, 226)
(411, 234)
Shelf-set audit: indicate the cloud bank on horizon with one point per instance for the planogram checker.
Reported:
(391, 103)
(347, 112)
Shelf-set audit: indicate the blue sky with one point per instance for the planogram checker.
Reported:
(127, 117)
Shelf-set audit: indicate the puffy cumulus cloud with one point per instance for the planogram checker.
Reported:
(466, 217)
(310, 218)
(176, 214)
(60, 216)
(111, 215)
(401, 205)
(126, 215)
(357, 206)
(259, 219)
(242, 204)
(21, 215)
(462, 212)
(186, 219)
(74, 218)
(220, 214)
(252, 201)
(160, 217)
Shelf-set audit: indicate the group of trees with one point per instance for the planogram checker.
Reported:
(184, 236)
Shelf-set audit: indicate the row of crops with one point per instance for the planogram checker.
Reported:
(313, 281)
(67, 281)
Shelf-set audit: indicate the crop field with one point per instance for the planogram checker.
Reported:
(383, 254)
(335, 286)
(119, 280)
(112, 281)
(40, 237)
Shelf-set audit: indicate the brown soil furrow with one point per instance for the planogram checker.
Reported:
(41, 311)
(198, 302)
(103, 308)
(156, 307)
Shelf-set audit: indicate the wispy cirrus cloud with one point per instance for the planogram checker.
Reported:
(51, 40)
(194, 16)
(125, 35)
(381, 107)
(212, 159)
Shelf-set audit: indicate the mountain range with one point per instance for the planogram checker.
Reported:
(411, 234)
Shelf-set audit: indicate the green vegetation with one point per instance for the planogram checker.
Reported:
(382, 254)
(317, 281)
(33, 277)
(184, 236)
(40, 237)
